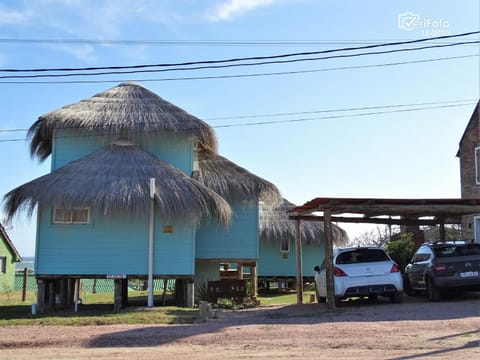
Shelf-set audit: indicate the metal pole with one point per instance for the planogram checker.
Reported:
(150, 244)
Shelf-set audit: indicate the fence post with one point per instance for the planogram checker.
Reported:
(24, 288)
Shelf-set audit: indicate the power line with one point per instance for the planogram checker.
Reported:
(469, 101)
(252, 58)
(337, 116)
(156, 42)
(283, 121)
(235, 65)
(240, 75)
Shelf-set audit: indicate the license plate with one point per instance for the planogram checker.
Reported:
(469, 274)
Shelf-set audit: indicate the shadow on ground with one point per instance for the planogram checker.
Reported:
(417, 308)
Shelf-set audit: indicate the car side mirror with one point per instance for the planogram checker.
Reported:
(316, 268)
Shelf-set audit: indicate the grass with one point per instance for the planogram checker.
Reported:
(97, 309)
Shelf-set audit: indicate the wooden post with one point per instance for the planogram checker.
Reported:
(190, 294)
(24, 288)
(254, 279)
(164, 295)
(117, 295)
(298, 252)
(239, 271)
(94, 286)
(51, 294)
(442, 232)
(327, 228)
(41, 296)
(150, 243)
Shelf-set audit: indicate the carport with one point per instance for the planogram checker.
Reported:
(373, 211)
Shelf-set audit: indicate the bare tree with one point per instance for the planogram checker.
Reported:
(374, 237)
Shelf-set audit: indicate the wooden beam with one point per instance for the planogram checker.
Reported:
(386, 221)
(298, 252)
(327, 228)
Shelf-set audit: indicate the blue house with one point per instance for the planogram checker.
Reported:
(277, 260)
(97, 207)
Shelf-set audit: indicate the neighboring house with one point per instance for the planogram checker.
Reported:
(8, 257)
(94, 206)
(277, 255)
(469, 155)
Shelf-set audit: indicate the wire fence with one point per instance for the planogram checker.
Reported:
(96, 285)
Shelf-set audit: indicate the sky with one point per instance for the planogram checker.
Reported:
(310, 144)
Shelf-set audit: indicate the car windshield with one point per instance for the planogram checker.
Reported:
(457, 250)
(361, 256)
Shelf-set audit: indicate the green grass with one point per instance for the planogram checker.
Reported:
(97, 309)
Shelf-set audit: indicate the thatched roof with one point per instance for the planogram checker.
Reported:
(116, 178)
(233, 182)
(275, 226)
(129, 110)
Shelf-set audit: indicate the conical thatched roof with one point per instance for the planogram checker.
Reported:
(275, 226)
(233, 182)
(129, 110)
(117, 178)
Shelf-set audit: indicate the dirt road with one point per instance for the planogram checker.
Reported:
(415, 329)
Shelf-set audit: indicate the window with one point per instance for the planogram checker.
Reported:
(71, 216)
(477, 165)
(285, 245)
(3, 264)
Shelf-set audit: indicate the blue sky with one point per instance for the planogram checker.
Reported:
(402, 154)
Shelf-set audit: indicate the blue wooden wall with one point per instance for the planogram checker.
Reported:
(272, 263)
(238, 241)
(112, 245)
(70, 145)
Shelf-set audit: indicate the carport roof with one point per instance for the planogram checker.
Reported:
(381, 210)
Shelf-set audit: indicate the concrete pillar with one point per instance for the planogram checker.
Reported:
(254, 279)
(190, 294)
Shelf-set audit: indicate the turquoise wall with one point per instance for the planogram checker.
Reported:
(271, 262)
(238, 241)
(112, 245)
(69, 146)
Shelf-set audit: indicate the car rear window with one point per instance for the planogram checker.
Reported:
(361, 256)
(457, 250)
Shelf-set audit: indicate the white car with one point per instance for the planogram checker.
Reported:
(361, 272)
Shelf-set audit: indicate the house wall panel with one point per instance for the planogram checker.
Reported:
(238, 241)
(272, 262)
(70, 146)
(112, 245)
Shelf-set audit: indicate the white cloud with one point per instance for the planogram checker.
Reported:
(234, 8)
(13, 17)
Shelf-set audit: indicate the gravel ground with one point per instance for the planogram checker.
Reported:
(414, 329)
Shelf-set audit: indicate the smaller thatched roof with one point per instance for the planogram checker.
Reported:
(127, 110)
(274, 226)
(233, 182)
(116, 179)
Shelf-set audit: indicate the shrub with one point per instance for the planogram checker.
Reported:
(401, 250)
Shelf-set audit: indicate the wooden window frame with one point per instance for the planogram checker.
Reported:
(282, 248)
(3, 264)
(70, 218)
(477, 165)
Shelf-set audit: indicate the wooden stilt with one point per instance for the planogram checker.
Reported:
(298, 252)
(41, 296)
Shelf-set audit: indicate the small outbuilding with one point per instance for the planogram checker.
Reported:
(8, 257)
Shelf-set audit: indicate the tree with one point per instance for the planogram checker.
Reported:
(375, 237)
(452, 232)
(401, 250)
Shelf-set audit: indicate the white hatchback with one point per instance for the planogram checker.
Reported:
(361, 272)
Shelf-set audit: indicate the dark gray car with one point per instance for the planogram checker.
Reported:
(437, 267)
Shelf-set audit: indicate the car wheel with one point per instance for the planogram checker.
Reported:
(338, 300)
(407, 287)
(373, 297)
(397, 297)
(433, 293)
